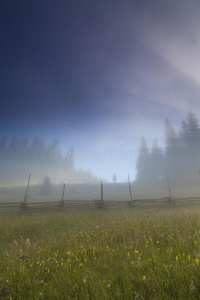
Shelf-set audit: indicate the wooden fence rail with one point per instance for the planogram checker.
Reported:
(24, 207)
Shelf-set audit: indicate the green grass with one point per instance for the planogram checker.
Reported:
(127, 254)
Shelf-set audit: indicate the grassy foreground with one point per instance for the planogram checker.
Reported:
(152, 254)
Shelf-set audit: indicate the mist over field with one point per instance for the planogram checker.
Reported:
(177, 164)
(21, 157)
(86, 87)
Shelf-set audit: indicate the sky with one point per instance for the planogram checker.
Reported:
(98, 75)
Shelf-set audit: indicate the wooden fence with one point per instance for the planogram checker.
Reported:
(24, 207)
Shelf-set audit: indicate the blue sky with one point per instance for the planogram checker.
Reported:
(98, 74)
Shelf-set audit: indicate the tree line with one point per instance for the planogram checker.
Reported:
(179, 159)
(20, 157)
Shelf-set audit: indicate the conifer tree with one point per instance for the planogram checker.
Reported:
(46, 186)
(143, 167)
(156, 163)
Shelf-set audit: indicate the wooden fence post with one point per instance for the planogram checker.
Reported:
(24, 205)
(62, 203)
(130, 192)
(170, 194)
(102, 201)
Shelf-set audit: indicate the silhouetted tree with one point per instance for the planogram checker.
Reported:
(171, 139)
(156, 163)
(114, 178)
(46, 186)
(172, 152)
(180, 160)
(143, 163)
(193, 129)
(190, 152)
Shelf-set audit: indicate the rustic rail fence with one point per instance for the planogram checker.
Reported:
(65, 205)
(34, 206)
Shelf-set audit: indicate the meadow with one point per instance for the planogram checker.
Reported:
(115, 254)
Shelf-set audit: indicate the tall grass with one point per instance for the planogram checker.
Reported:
(127, 254)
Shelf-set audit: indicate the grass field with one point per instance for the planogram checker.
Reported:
(123, 254)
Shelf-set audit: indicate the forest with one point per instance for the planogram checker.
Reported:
(21, 157)
(179, 160)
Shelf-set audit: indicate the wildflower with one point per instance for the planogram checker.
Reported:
(196, 261)
(47, 271)
(176, 257)
(189, 257)
(143, 277)
(84, 280)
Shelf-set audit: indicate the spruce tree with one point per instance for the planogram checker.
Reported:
(156, 163)
(143, 167)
